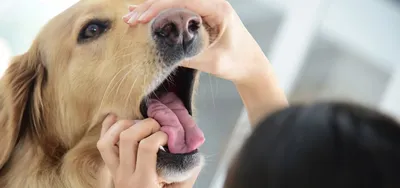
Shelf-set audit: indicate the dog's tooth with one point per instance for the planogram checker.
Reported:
(162, 148)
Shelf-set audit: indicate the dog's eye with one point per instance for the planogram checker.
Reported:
(93, 30)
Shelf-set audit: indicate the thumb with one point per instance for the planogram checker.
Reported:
(209, 59)
(206, 60)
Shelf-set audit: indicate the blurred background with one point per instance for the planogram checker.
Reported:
(320, 50)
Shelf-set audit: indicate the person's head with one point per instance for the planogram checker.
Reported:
(322, 145)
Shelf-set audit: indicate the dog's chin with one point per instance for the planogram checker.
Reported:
(171, 172)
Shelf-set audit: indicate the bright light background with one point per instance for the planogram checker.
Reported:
(21, 20)
(5, 55)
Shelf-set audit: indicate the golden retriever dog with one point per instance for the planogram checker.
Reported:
(86, 63)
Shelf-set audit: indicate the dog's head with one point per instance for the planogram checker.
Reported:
(86, 62)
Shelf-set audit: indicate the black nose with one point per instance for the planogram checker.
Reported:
(177, 29)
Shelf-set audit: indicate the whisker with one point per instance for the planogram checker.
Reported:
(155, 95)
(121, 81)
(109, 84)
(130, 91)
(212, 92)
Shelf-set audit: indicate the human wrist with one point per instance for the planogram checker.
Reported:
(257, 71)
(260, 92)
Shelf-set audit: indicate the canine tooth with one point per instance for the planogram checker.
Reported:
(162, 148)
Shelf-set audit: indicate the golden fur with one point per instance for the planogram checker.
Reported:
(54, 97)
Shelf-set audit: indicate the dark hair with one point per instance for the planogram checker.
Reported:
(325, 145)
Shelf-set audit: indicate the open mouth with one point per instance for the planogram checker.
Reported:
(170, 105)
(180, 82)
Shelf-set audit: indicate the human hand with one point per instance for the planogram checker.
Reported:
(234, 55)
(129, 149)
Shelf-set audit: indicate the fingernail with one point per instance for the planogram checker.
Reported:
(127, 16)
(133, 17)
(162, 148)
(136, 121)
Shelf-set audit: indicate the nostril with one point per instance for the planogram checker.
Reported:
(193, 26)
(165, 31)
(190, 31)
(169, 32)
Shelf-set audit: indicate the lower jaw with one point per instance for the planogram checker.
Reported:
(178, 167)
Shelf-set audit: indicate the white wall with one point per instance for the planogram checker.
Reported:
(332, 73)
(391, 98)
(368, 26)
(370, 29)
(21, 20)
(295, 35)
(5, 55)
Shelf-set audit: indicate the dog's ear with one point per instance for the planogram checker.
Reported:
(20, 100)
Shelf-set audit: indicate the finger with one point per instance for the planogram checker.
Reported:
(107, 123)
(207, 61)
(132, 13)
(147, 152)
(213, 12)
(139, 10)
(156, 7)
(132, 7)
(106, 144)
(129, 141)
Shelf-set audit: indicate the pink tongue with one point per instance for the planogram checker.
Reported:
(183, 134)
